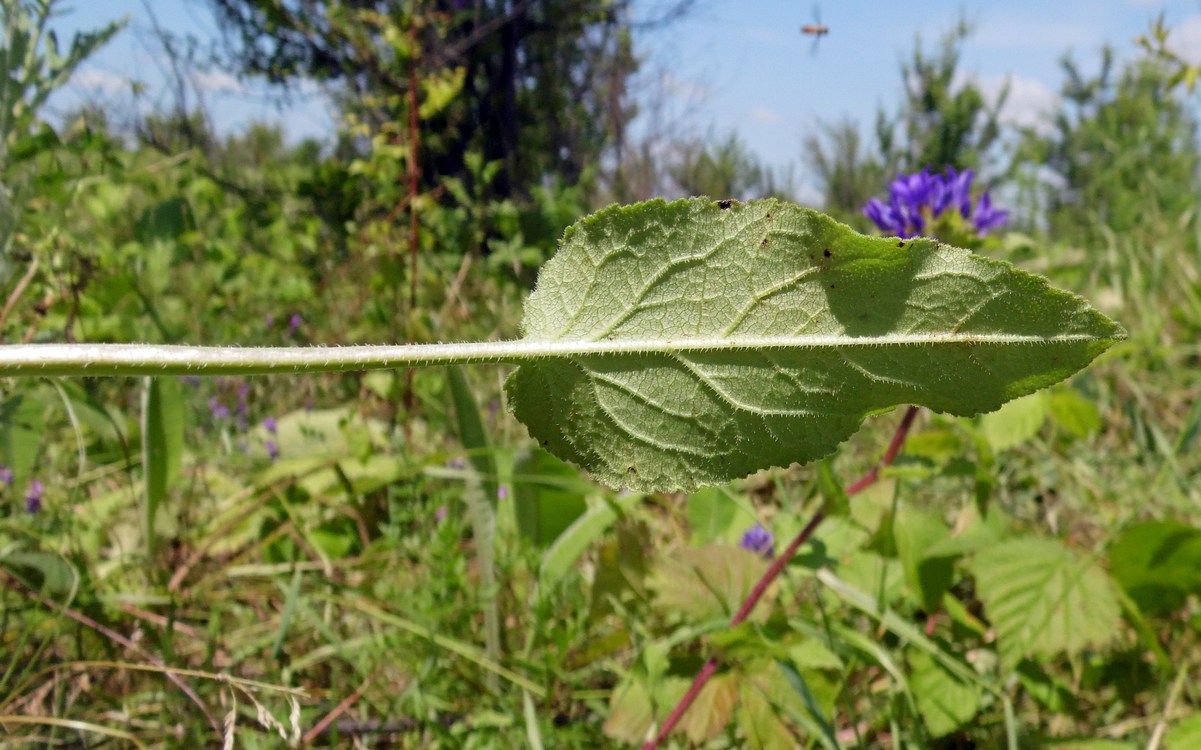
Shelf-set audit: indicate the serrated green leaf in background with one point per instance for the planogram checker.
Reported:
(1017, 421)
(1044, 599)
(702, 583)
(694, 342)
(1074, 412)
(1158, 563)
(945, 701)
(927, 575)
(1184, 734)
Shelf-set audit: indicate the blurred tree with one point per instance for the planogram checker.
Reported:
(946, 122)
(1122, 152)
(721, 169)
(536, 85)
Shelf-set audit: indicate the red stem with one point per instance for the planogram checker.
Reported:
(777, 566)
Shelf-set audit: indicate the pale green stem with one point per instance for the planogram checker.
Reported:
(148, 359)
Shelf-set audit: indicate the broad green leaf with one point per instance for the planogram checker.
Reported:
(162, 446)
(761, 725)
(1044, 599)
(712, 709)
(927, 575)
(47, 572)
(703, 583)
(631, 713)
(1075, 413)
(22, 421)
(568, 546)
(1184, 734)
(548, 496)
(1017, 421)
(711, 514)
(944, 701)
(694, 342)
(1158, 563)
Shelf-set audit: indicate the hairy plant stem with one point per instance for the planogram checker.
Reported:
(748, 605)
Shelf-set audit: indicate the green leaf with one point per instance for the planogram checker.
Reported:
(712, 709)
(1044, 599)
(944, 701)
(165, 221)
(711, 514)
(1184, 734)
(927, 575)
(695, 342)
(548, 496)
(162, 446)
(760, 723)
(569, 545)
(22, 421)
(47, 572)
(1158, 563)
(1075, 413)
(703, 583)
(1016, 422)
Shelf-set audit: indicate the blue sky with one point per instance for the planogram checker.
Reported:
(737, 66)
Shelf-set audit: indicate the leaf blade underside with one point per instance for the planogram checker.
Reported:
(763, 334)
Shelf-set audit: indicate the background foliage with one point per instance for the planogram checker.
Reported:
(392, 545)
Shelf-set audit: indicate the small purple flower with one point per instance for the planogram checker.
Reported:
(987, 217)
(6, 475)
(915, 199)
(190, 379)
(220, 410)
(502, 492)
(760, 541)
(33, 496)
(272, 450)
(271, 426)
(294, 323)
(440, 514)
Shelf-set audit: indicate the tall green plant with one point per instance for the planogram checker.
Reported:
(31, 69)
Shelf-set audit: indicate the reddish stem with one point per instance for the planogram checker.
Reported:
(777, 566)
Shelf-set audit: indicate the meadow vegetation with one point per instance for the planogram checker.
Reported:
(387, 559)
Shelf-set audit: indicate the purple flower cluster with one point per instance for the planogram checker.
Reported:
(33, 496)
(916, 199)
(760, 541)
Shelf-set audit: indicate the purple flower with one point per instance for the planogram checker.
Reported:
(190, 379)
(270, 425)
(760, 541)
(33, 496)
(6, 475)
(502, 492)
(294, 323)
(440, 514)
(220, 410)
(915, 199)
(987, 217)
(272, 450)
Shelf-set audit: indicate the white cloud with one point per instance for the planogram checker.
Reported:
(216, 82)
(1013, 30)
(1185, 39)
(765, 116)
(684, 88)
(1030, 102)
(101, 81)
